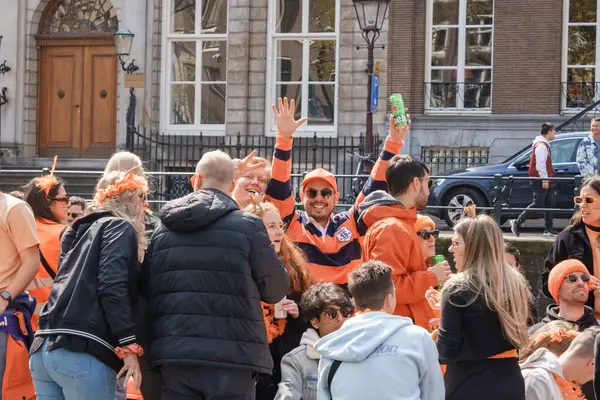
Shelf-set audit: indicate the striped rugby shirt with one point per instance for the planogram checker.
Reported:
(334, 251)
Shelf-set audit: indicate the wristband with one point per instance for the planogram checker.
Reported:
(126, 351)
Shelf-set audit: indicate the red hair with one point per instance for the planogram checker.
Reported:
(291, 256)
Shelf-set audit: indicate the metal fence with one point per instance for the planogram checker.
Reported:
(347, 157)
(499, 208)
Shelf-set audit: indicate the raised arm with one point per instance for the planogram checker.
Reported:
(392, 146)
(279, 189)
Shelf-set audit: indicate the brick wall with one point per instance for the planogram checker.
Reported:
(527, 56)
(406, 52)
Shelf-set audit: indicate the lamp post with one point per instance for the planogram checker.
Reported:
(370, 15)
(3, 67)
(123, 42)
(3, 99)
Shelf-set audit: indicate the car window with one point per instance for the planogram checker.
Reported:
(564, 151)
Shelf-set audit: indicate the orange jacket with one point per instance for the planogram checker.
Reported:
(49, 234)
(392, 239)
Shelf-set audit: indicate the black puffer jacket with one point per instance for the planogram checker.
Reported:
(207, 268)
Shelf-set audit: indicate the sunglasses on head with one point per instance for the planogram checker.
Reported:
(572, 278)
(586, 199)
(312, 193)
(332, 313)
(427, 234)
(64, 199)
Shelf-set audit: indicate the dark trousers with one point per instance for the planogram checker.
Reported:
(542, 198)
(186, 382)
(151, 381)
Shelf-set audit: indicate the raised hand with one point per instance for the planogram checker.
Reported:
(284, 118)
(247, 164)
(398, 133)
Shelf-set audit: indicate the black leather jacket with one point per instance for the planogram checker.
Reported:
(95, 289)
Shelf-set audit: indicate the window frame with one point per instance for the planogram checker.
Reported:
(565, 59)
(461, 62)
(271, 87)
(167, 37)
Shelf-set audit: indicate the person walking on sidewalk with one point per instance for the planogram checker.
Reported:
(587, 152)
(544, 192)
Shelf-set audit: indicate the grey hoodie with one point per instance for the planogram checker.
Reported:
(383, 357)
(538, 372)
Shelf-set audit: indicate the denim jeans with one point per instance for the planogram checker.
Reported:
(63, 374)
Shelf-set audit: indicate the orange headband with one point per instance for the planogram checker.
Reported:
(558, 336)
(129, 183)
(47, 182)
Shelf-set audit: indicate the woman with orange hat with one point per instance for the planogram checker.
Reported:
(47, 197)
(425, 228)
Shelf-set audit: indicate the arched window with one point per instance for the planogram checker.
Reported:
(79, 16)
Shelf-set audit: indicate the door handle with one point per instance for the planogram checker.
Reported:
(560, 170)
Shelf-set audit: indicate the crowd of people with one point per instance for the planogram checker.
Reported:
(233, 292)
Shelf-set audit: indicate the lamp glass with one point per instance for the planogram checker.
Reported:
(123, 42)
(371, 13)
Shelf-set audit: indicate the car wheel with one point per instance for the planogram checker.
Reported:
(460, 198)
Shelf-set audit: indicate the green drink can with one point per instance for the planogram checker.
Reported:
(398, 110)
(438, 259)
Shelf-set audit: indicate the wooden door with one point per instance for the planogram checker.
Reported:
(78, 100)
(59, 122)
(99, 102)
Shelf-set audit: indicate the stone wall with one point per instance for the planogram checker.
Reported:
(533, 253)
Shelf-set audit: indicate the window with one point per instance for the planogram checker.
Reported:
(441, 159)
(459, 45)
(564, 151)
(194, 66)
(580, 73)
(302, 61)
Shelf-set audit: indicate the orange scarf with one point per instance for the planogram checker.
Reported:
(275, 326)
(569, 390)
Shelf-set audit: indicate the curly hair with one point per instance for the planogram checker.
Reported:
(291, 256)
(320, 295)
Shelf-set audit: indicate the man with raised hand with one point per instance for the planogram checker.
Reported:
(331, 242)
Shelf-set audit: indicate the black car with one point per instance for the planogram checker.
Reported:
(463, 190)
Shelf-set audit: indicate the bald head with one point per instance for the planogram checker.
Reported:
(218, 171)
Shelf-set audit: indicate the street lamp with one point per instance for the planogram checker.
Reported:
(370, 15)
(3, 67)
(123, 42)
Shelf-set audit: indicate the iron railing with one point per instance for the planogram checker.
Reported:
(442, 159)
(458, 95)
(500, 206)
(344, 156)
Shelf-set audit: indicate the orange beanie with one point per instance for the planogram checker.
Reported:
(559, 273)
(423, 221)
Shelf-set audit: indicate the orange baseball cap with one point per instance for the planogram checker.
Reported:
(320, 174)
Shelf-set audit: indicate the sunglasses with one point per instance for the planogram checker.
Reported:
(312, 193)
(427, 234)
(572, 278)
(586, 199)
(332, 313)
(60, 199)
(74, 215)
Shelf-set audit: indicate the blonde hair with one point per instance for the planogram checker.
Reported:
(125, 161)
(556, 336)
(123, 207)
(291, 256)
(488, 274)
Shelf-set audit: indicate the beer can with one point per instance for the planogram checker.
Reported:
(398, 110)
(279, 313)
(437, 259)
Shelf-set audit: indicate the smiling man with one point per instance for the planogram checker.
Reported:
(331, 242)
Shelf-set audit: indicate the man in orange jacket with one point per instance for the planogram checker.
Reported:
(391, 236)
(331, 242)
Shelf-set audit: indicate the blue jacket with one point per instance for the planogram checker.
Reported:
(9, 322)
(383, 357)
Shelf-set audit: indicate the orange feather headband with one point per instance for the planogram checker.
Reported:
(129, 183)
(47, 182)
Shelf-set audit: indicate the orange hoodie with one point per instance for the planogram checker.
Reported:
(392, 239)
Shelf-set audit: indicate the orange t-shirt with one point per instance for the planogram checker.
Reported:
(49, 234)
(17, 233)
